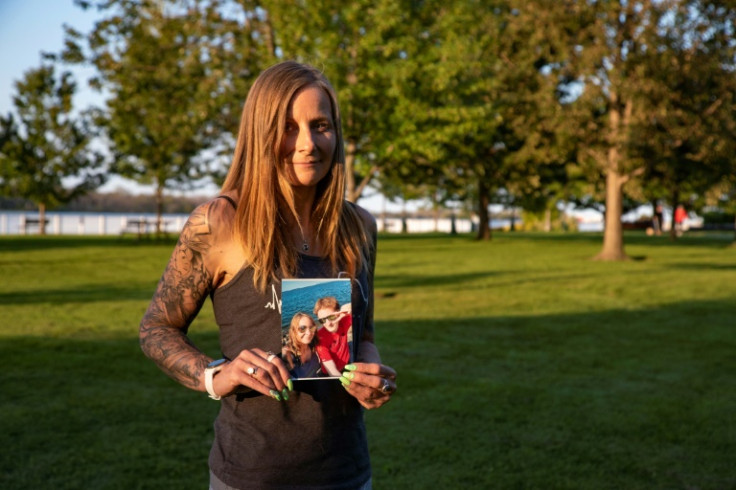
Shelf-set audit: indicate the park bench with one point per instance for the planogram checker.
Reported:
(27, 224)
(142, 227)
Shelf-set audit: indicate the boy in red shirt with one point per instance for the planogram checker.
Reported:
(335, 334)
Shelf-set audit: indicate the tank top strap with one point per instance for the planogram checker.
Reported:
(228, 199)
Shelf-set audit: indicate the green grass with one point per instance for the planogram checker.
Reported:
(522, 364)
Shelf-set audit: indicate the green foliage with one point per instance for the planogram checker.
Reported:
(547, 220)
(48, 145)
(361, 46)
(479, 87)
(176, 75)
(656, 102)
(521, 365)
(686, 139)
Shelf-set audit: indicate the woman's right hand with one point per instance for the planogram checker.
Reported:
(258, 370)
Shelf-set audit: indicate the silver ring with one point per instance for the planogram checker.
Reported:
(386, 388)
(252, 370)
(270, 357)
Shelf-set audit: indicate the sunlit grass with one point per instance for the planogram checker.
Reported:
(522, 364)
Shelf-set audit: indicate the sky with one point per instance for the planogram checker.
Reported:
(28, 27)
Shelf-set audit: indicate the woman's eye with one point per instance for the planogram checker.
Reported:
(290, 127)
(323, 126)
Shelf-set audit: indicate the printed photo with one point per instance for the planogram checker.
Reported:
(316, 327)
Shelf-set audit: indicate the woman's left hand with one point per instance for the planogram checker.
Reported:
(372, 384)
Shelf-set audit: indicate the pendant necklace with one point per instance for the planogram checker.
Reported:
(305, 243)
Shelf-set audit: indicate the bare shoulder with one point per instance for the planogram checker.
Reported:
(212, 219)
(207, 234)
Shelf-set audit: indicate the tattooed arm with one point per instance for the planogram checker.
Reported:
(180, 294)
(195, 269)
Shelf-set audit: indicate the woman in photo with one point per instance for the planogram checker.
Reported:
(281, 214)
(300, 351)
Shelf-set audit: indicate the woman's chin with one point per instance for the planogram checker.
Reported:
(309, 176)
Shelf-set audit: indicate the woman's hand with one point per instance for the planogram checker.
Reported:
(258, 370)
(372, 384)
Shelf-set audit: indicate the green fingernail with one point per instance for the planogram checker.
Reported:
(345, 382)
(275, 394)
(285, 394)
(351, 367)
(349, 375)
(290, 385)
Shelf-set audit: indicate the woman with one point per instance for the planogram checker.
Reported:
(301, 350)
(281, 214)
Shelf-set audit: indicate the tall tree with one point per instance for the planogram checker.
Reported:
(616, 51)
(476, 96)
(359, 45)
(46, 155)
(609, 45)
(175, 75)
(686, 141)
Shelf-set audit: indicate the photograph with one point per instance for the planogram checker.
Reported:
(316, 327)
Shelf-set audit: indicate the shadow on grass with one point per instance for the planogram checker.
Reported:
(29, 243)
(98, 414)
(705, 266)
(615, 399)
(406, 280)
(699, 239)
(80, 294)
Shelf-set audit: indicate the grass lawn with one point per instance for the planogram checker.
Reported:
(522, 364)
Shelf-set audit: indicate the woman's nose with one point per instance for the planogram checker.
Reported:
(305, 141)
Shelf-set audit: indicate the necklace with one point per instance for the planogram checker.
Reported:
(305, 243)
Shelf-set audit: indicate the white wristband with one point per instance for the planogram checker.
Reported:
(209, 373)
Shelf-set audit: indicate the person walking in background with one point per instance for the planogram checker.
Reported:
(680, 217)
(657, 220)
(281, 214)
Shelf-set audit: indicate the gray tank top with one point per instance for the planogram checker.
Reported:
(317, 438)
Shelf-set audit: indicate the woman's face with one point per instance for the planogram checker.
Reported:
(304, 330)
(310, 138)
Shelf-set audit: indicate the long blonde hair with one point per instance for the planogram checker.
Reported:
(266, 200)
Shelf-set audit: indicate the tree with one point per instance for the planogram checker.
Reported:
(616, 50)
(359, 45)
(46, 155)
(687, 139)
(175, 75)
(476, 95)
(607, 48)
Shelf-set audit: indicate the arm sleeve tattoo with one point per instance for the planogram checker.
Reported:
(179, 296)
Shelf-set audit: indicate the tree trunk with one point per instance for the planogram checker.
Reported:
(404, 226)
(42, 219)
(613, 234)
(350, 148)
(613, 241)
(548, 220)
(673, 224)
(484, 200)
